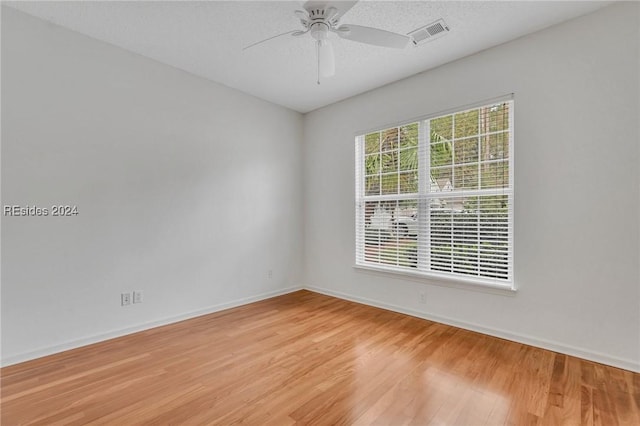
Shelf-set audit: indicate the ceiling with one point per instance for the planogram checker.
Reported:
(206, 39)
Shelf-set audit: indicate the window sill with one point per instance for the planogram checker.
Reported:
(442, 281)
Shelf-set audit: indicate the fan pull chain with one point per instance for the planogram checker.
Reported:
(318, 56)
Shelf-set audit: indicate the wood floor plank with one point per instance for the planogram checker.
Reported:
(306, 358)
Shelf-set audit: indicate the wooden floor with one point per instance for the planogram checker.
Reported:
(306, 358)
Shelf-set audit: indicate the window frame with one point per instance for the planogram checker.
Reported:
(420, 272)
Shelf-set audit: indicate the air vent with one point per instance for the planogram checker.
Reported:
(429, 32)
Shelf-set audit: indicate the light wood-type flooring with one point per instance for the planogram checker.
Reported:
(306, 358)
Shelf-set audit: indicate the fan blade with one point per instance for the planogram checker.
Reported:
(331, 14)
(326, 58)
(343, 7)
(270, 38)
(373, 36)
(303, 16)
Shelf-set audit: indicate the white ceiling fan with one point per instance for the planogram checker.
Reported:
(321, 18)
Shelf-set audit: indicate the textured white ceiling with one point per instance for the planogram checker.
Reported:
(206, 38)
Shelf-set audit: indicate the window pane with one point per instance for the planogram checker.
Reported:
(466, 151)
(466, 124)
(372, 164)
(408, 182)
(495, 146)
(390, 139)
(406, 214)
(495, 117)
(389, 162)
(391, 233)
(409, 159)
(372, 185)
(495, 174)
(377, 230)
(389, 184)
(372, 143)
(441, 154)
(440, 224)
(441, 129)
(441, 179)
(470, 235)
(409, 136)
(494, 234)
(465, 177)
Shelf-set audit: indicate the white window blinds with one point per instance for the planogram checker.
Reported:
(435, 197)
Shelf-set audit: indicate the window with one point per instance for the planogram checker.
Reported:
(435, 197)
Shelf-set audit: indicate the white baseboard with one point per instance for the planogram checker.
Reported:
(601, 358)
(528, 340)
(15, 359)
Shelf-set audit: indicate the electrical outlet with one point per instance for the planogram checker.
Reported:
(137, 297)
(423, 296)
(125, 299)
(270, 274)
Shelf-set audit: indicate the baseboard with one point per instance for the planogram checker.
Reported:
(50, 350)
(601, 358)
(528, 340)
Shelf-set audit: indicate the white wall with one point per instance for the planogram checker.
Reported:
(191, 191)
(576, 188)
(186, 189)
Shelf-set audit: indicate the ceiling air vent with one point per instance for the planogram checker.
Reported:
(429, 32)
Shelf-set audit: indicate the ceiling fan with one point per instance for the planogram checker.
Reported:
(319, 19)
